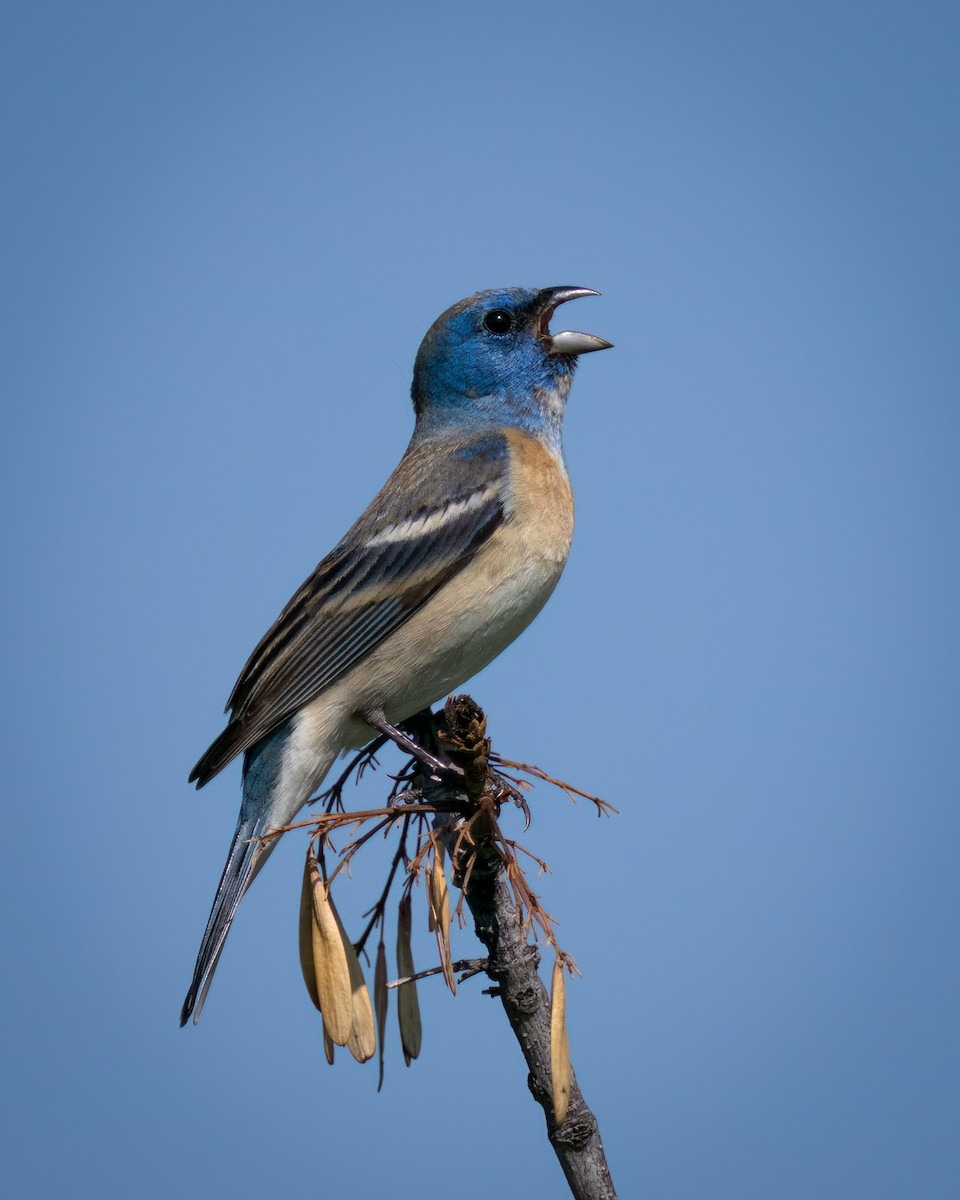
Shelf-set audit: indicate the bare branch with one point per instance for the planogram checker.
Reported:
(512, 963)
(468, 966)
(464, 806)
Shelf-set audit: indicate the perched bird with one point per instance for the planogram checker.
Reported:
(448, 564)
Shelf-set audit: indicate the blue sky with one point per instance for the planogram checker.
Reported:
(225, 229)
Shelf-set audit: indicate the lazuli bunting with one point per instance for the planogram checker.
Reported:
(451, 561)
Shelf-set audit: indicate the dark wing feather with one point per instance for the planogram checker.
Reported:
(367, 587)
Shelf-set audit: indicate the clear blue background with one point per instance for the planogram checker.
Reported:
(225, 229)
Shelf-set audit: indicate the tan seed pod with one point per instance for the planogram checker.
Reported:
(380, 995)
(560, 1069)
(306, 931)
(362, 1042)
(431, 916)
(408, 1005)
(327, 1045)
(331, 968)
(440, 903)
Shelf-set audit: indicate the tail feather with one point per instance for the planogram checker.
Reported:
(247, 855)
(279, 775)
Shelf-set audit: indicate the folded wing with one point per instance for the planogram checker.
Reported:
(441, 504)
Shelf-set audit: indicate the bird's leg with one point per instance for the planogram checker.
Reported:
(379, 722)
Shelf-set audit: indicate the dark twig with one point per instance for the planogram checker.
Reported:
(467, 966)
(367, 757)
(376, 912)
(451, 793)
(512, 963)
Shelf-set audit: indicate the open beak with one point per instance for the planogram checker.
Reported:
(567, 342)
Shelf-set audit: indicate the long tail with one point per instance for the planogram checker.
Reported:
(276, 785)
(247, 855)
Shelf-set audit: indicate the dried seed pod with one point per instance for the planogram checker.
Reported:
(380, 995)
(439, 898)
(362, 1042)
(331, 968)
(560, 1070)
(431, 916)
(408, 1005)
(306, 932)
(327, 1045)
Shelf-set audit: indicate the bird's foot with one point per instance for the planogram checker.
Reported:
(407, 796)
(412, 747)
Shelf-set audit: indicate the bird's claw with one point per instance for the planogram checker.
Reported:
(412, 747)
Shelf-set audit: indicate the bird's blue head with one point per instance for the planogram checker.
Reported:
(491, 359)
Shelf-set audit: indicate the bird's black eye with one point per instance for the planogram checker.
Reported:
(498, 320)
